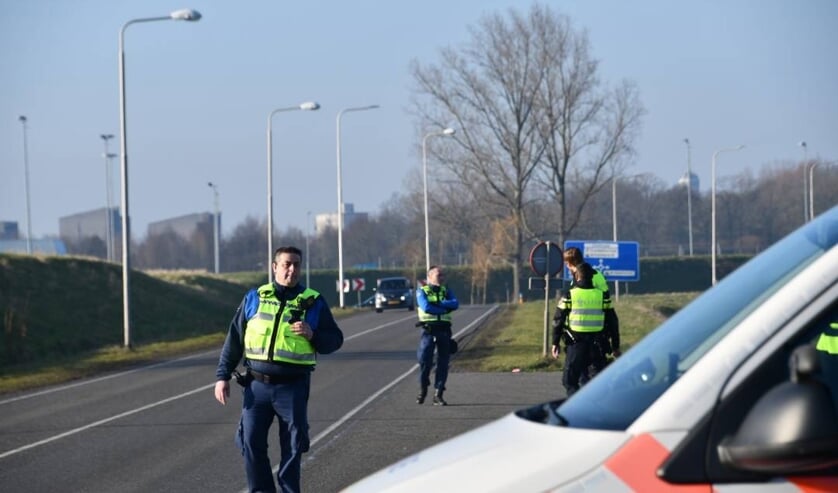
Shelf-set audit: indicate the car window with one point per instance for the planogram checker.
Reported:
(618, 396)
(394, 284)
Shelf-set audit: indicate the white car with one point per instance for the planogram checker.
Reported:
(728, 396)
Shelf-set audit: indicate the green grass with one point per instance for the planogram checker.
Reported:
(514, 340)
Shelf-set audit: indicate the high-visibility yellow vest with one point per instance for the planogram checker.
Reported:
(268, 326)
(828, 341)
(586, 310)
(433, 298)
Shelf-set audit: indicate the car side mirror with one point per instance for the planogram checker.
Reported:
(791, 429)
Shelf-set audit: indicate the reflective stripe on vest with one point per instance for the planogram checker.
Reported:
(828, 341)
(288, 346)
(586, 313)
(433, 297)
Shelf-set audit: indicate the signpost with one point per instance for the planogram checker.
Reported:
(617, 260)
(356, 284)
(546, 261)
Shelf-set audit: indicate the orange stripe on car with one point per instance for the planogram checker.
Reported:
(636, 465)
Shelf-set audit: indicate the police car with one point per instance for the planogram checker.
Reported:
(728, 396)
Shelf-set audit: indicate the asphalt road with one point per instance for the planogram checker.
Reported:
(159, 428)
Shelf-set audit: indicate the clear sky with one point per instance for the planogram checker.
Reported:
(763, 73)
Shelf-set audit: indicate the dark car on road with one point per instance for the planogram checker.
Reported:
(393, 292)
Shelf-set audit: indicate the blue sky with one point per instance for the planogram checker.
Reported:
(763, 73)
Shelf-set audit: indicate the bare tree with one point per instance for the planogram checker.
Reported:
(489, 88)
(587, 130)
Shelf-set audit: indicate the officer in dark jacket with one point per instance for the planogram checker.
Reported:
(608, 344)
(579, 322)
(278, 329)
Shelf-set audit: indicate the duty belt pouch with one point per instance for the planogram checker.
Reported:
(243, 380)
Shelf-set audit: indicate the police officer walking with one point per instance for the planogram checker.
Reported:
(579, 323)
(434, 304)
(278, 328)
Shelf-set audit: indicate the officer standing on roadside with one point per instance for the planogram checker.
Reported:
(278, 328)
(434, 303)
(608, 344)
(579, 322)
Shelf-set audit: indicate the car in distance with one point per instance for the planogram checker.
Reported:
(393, 292)
(737, 392)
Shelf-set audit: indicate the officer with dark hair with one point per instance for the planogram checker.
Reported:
(608, 344)
(278, 329)
(579, 322)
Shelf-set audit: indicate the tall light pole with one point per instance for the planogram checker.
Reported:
(22, 120)
(447, 131)
(803, 166)
(689, 197)
(178, 15)
(108, 218)
(713, 209)
(308, 270)
(340, 198)
(614, 227)
(216, 217)
(307, 106)
(109, 159)
(812, 190)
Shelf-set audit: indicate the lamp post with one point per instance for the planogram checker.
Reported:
(108, 222)
(109, 159)
(22, 120)
(308, 270)
(614, 227)
(713, 209)
(812, 190)
(178, 15)
(215, 226)
(689, 197)
(449, 132)
(803, 166)
(307, 106)
(340, 198)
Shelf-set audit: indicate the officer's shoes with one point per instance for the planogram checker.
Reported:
(423, 392)
(438, 400)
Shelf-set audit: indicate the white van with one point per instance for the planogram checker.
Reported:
(727, 396)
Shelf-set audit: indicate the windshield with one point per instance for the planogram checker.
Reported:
(621, 393)
(393, 284)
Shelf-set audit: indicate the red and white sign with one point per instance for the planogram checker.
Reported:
(356, 284)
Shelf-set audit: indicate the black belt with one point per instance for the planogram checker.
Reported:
(275, 379)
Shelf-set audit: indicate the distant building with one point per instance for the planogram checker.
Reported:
(78, 227)
(322, 222)
(8, 230)
(693, 181)
(184, 226)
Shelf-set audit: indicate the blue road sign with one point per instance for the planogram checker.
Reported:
(617, 260)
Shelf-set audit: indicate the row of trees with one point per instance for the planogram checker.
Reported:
(541, 144)
(753, 211)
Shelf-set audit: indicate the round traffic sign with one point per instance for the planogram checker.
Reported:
(546, 258)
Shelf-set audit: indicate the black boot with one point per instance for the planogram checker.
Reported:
(423, 392)
(438, 400)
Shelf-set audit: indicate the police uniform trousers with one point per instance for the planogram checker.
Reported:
(262, 402)
(579, 356)
(439, 338)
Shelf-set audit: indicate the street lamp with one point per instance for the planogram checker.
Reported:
(448, 132)
(178, 15)
(689, 197)
(26, 189)
(713, 209)
(340, 198)
(812, 190)
(108, 223)
(215, 226)
(307, 106)
(803, 166)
